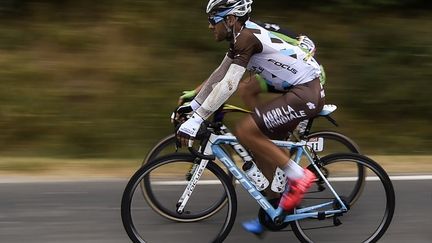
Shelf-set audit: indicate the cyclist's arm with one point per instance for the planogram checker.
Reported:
(222, 91)
(214, 78)
(245, 46)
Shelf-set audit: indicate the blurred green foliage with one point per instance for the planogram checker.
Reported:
(100, 78)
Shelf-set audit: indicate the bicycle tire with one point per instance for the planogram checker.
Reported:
(171, 214)
(131, 188)
(346, 141)
(168, 143)
(383, 181)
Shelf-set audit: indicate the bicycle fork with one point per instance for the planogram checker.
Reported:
(196, 172)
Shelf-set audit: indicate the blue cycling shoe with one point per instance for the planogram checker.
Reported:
(254, 226)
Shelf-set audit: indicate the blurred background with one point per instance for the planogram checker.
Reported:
(99, 79)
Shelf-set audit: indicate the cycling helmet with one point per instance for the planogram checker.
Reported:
(229, 7)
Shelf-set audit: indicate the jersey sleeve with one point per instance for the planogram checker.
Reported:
(245, 46)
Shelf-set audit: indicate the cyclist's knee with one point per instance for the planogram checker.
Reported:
(243, 90)
(249, 87)
(246, 129)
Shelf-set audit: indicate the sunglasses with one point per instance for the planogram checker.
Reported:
(215, 19)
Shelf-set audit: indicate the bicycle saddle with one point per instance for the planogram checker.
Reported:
(327, 110)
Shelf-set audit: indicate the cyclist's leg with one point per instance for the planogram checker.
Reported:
(252, 137)
(249, 90)
(268, 169)
(274, 120)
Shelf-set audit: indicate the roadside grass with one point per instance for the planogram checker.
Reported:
(26, 166)
(54, 167)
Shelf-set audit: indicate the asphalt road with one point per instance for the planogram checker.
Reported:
(89, 212)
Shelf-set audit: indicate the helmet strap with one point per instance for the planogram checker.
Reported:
(229, 30)
(234, 34)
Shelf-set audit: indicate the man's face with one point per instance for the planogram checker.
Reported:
(216, 24)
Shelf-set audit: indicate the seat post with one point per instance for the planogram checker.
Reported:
(309, 126)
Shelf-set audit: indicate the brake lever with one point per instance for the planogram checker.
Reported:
(198, 154)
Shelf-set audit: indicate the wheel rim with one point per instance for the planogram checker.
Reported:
(136, 221)
(366, 222)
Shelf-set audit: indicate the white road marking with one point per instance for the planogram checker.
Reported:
(369, 178)
(16, 180)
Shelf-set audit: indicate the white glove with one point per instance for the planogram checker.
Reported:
(191, 126)
(184, 111)
(188, 107)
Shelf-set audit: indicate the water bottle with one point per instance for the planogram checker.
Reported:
(256, 177)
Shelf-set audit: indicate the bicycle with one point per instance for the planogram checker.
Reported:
(317, 140)
(328, 207)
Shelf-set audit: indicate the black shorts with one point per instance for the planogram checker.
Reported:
(281, 115)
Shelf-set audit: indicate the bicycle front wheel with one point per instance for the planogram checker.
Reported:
(372, 214)
(164, 147)
(164, 178)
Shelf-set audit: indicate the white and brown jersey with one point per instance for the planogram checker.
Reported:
(277, 61)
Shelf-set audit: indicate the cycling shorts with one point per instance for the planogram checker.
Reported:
(277, 118)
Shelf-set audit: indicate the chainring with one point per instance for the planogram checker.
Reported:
(267, 221)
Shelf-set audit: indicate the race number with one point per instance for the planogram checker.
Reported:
(317, 144)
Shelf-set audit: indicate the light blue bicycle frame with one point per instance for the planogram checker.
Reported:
(213, 147)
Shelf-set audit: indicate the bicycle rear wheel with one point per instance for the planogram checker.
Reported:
(330, 142)
(165, 146)
(373, 211)
(165, 181)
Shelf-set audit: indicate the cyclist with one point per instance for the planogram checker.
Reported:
(254, 48)
(251, 86)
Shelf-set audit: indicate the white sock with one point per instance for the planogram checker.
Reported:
(293, 171)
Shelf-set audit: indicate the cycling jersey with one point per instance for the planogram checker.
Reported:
(278, 62)
(294, 39)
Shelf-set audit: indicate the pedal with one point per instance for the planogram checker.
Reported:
(321, 187)
(321, 215)
(336, 220)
